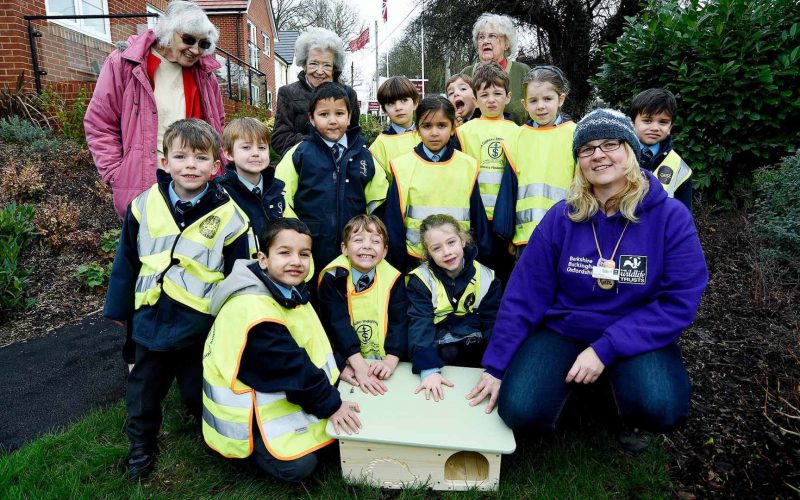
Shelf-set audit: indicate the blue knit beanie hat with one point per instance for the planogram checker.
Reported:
(605, 124)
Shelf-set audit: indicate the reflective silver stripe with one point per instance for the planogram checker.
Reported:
(490, 178)
(188, 282)
(430, 280)
(330, 364)
(420, 213)
(297, 422)
(151, 246)
(145, 283)
(541, 189)
(412, 235)
(236, 224)
(681, 175)
(371, 206)
(252, 244)
(487, 276)
(227, 428)
(263, 398)
(206, 257)
(489, 200)
(530, 215)
(226, 397)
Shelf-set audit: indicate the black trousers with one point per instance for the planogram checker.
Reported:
(149, 383)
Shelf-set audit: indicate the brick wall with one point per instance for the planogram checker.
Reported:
(259, 16)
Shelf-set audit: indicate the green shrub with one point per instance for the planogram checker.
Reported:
(16, 234)
(777, 215)
(371, 127)
(69, 115)
(92, 275)
(33, 137)
(21, 102)
(109, 241)
(735, 68)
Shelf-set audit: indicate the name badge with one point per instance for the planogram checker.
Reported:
(605, 273)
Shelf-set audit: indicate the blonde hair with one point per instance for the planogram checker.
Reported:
(248, 128)
(439, 220)
(583, 204)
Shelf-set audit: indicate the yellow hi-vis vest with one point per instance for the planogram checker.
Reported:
(229, 404)
(428, 188)
(482, 138)
(387, 147)
(542, 159)
(672, 173)
(470, 300)
(369, 310)
(188, 264)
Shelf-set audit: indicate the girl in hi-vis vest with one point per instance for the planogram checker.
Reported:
(453, 301)
(434, 178)
(539, 162)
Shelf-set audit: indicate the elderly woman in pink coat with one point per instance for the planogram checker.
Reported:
(156, 78)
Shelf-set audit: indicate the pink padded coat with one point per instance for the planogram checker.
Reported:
(121, 121)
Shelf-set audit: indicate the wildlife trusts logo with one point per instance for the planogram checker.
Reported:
(633, 269)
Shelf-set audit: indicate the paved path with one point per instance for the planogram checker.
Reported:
(53, 381)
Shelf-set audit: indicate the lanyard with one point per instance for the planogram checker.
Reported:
(607, 284)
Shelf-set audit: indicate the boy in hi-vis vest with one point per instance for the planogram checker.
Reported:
(653, 113)
(179, 239)
(399, 99)
(362, 301)
(268, 368)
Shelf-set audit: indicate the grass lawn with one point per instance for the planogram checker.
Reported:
(88, 460)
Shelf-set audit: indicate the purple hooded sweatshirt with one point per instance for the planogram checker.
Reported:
(662, 277)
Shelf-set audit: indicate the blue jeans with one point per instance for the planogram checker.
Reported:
(651, 390)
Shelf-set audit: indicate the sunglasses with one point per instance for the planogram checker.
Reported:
(203, 43)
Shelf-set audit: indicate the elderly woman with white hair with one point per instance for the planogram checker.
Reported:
(320, 53)
(149, 82)
(495, 39)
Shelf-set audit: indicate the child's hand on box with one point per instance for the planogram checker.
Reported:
(432, 384)
(368, 383)
(345, 418)
(384, 368)
(349, 376)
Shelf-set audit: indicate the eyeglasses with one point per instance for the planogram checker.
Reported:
(326, 67)
(492, 37)
(191, 41)
(587, 151)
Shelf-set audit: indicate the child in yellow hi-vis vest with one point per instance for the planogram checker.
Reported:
(399, 99)
(268, 368)
(539, 161)
(362, 302)
(452, 304)
(434, 178)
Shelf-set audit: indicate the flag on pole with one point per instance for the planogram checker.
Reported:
(360, 41)
(385, 12)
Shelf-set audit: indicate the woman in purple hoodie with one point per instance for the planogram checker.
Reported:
(612, 276)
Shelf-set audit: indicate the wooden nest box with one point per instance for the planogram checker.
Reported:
(408, 441)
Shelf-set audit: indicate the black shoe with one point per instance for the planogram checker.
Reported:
(634, 442)
(141, 460)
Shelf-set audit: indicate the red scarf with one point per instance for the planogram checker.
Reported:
(191, 94)
(503, 63)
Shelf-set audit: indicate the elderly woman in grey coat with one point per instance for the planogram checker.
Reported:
(495, 39)
(321, 55)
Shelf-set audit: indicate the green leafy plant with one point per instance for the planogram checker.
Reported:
(16, 234)
(109, 241)
(371, 127)
(68, 113)
(92, 275)
(33, 137)
(777, 215)
(735, 68)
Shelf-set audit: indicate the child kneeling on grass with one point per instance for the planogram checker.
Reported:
(179, 239)
(363, 306)
(268, 355)
(453, 301)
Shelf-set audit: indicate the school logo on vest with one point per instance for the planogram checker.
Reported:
(469, 302)
(633, 269)
(208, 227)
(665, 174)
(364, 332)
(494, 149)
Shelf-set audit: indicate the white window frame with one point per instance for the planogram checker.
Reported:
(269, 100)
(78, 24)
(252, 47)
(265, 37)
(255, 94)
(151, 21)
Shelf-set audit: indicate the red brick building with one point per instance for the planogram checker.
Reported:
(72, 51)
